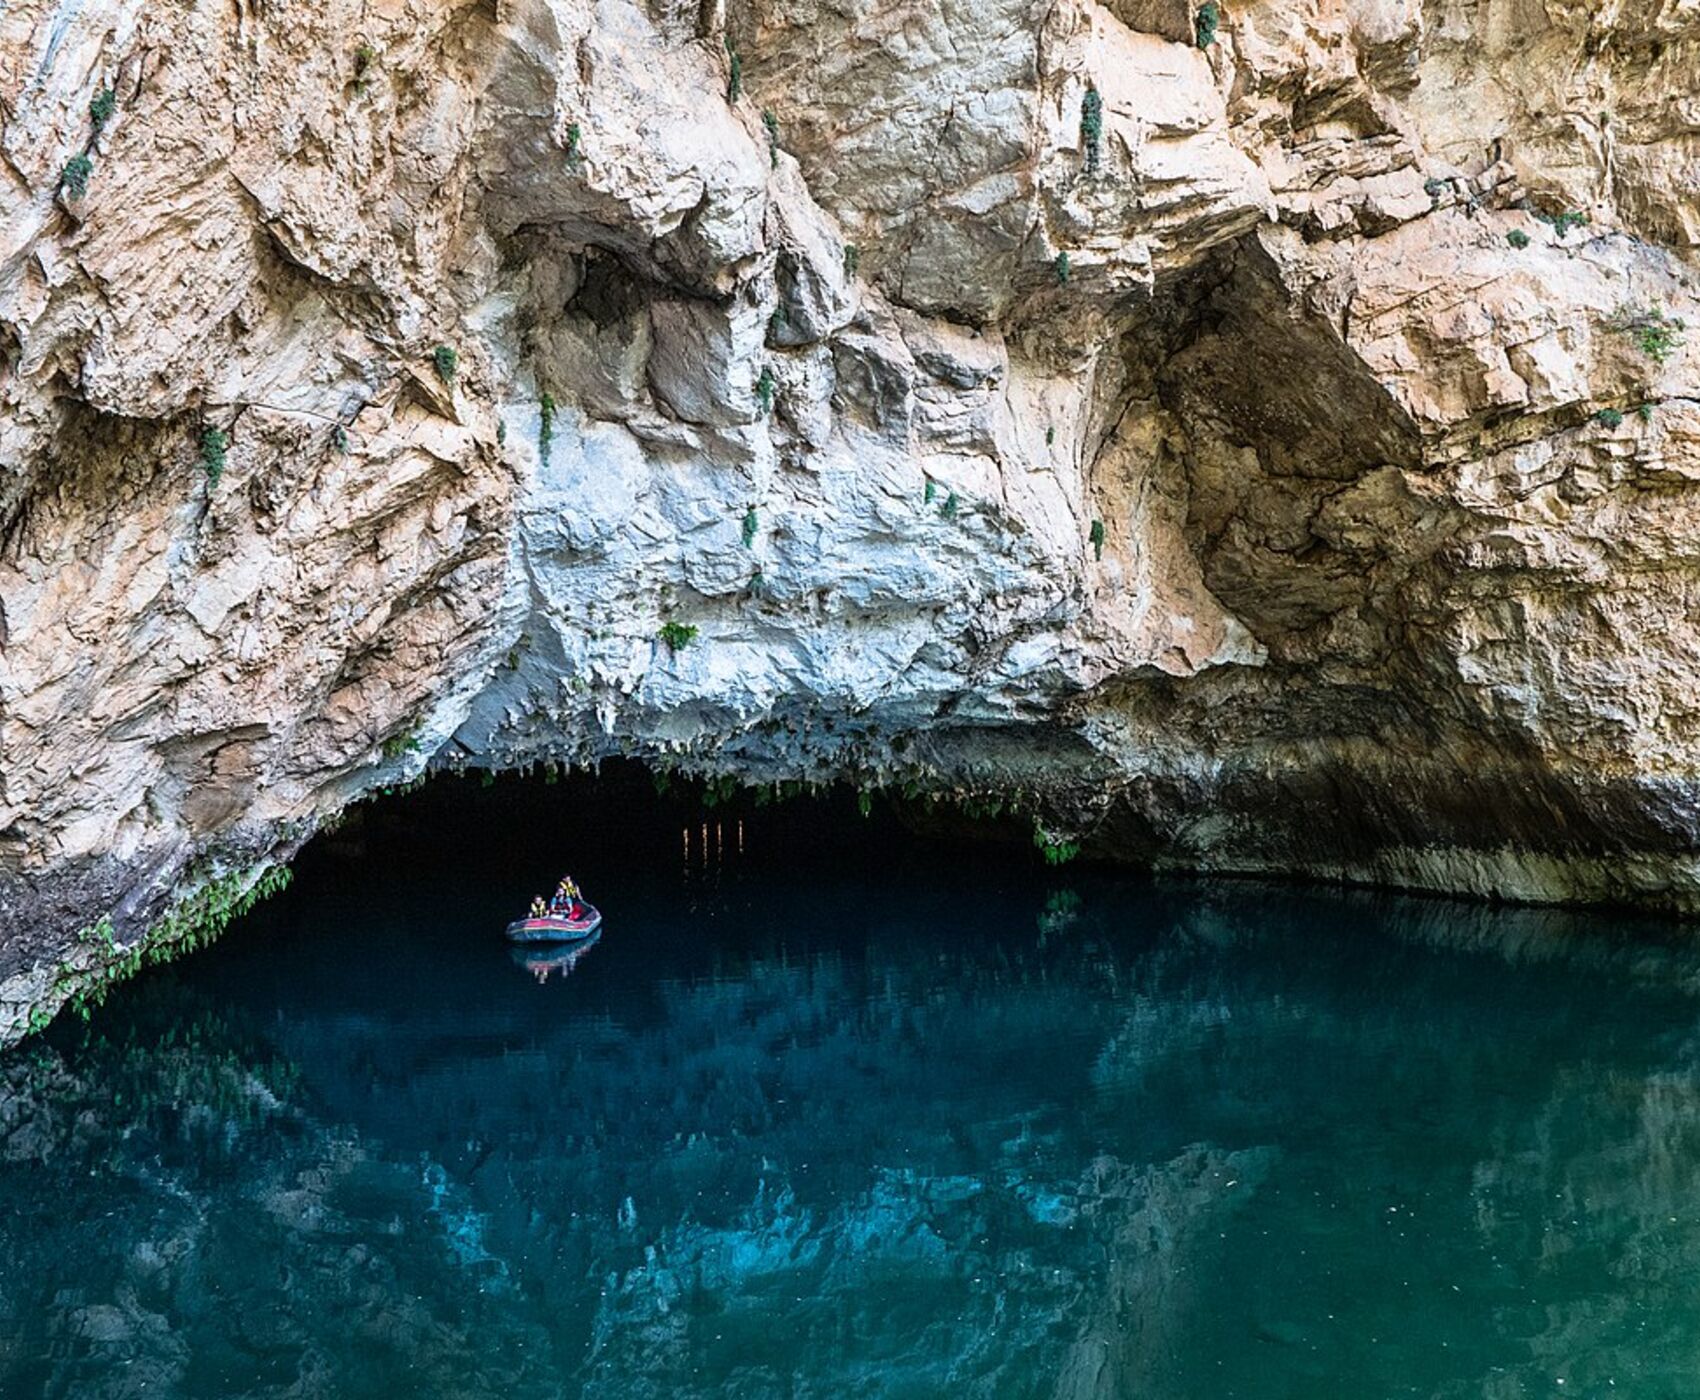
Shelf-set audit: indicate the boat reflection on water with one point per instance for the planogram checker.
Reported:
(542, 959)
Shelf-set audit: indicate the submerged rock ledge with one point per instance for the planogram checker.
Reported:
(1278, 454)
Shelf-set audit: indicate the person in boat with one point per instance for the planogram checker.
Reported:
(539, 909)
(565, 905)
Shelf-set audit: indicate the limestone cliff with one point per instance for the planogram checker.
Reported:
(1259, 436)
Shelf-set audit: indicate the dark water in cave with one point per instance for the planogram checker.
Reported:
(829, 1112)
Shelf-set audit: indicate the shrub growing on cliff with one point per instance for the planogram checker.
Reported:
(1206, 22)
(1561, 224)
(1091, 126)
(1097, 537)
(1659, 336)
(74, 179)
(1064, 269)
(735, 84)
(339, 438)
(751, 525)
(764, 389)
(364, 57)
(545, 423)
(398, 744)
(771, 122)
(852, 259)
(1645, 413)
(677, 635)
(948, 509)
(930, 493)
(1609, 418)
(214, 445)
(445, 359)
(1517, 239)
(101, 109)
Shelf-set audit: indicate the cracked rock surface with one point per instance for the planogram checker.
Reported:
(1292, 469)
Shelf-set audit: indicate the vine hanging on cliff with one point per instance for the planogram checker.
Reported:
(735, 84)
(771, 122)
(545, 424)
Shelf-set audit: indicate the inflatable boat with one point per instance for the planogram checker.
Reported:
(555, 928)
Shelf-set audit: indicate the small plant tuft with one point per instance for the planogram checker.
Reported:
(764, 389)
(214, 445)
(364, 57)
(445, 359)
(1064, 269)
(1096, 535)
(74, 179)
(103, 107)
(1517, 239)
(339, 438)
(1091, 127)
(751, 524)
(948, 509)
(677, 635)
(735, 84)
(1206, 22)
(1609, 418)
(574, 136)
(771, 122)
(545, 424)
(930, 493)
(852, 259)
(1645, 413)
(1050, 437)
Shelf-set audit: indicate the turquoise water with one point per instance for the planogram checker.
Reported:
(827, 1113)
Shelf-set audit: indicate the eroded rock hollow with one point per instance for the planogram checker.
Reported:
(1255, 437)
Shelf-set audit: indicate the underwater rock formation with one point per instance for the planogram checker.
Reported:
(1274, 453)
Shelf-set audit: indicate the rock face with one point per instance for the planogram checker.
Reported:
(1271, 454)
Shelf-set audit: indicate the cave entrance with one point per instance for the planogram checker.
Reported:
(684, 873)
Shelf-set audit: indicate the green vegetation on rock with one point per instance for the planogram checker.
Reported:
(677, 635)
(191, 923)
(1659, 336)
(214, 446)
(1091, 126)
(1206, 22)
(74, 179)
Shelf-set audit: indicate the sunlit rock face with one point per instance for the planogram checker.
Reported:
(844, 369)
